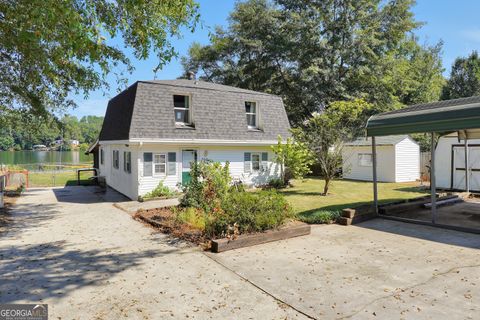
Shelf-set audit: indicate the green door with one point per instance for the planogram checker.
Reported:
(188, 157)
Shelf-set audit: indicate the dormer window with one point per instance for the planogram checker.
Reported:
(251, 112)
(181, 106)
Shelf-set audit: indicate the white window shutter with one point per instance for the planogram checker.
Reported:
(247, 162)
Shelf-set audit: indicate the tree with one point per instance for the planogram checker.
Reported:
(324, 133)
(294, 159)
(464, 78)
(313, 53)
(52, 48)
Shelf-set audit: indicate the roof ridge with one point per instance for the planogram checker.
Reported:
(226, 88)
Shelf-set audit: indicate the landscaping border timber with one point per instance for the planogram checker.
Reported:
(248, 240)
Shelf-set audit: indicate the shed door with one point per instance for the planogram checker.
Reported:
(459, 167)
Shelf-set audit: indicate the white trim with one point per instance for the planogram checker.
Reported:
(195, 142)
(90, 149)
(189, 109)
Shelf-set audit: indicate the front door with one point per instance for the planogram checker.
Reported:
(188, 157)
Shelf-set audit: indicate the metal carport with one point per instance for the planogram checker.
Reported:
(437, 118)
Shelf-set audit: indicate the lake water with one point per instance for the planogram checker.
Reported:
(35, 160)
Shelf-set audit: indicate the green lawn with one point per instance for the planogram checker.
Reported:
(57, 179)
(305, 196)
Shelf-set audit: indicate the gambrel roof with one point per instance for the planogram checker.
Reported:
(145, 111)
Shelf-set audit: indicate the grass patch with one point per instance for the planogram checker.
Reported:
(307, 201)
(319, 216)
(58, 179)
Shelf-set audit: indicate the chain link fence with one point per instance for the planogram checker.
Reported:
(45, 175)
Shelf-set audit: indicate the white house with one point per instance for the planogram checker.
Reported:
(398, 159)
(154, 130)
(450, 163)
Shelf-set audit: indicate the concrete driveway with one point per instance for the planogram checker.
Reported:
(71, 248)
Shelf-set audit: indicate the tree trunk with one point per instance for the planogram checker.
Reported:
(325, 187)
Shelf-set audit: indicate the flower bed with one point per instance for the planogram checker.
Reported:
(212, 208)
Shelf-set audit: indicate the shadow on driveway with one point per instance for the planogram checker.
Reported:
(451, 237)
(52, 270)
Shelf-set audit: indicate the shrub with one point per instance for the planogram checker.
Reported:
(209, 186)
(192, 216)
(248, 212)
(320, 216)
(276, 183)
(160, 191)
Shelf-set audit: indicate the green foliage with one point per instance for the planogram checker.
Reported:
(26, 130)
(209, 185)
(228, 207)
(325, 134)
(319, 216)
(191, 216)
(276, 183)
(294, 159)
(159, 191)
(464, 78)
(249, 212)
(315, 52)
(62, 47)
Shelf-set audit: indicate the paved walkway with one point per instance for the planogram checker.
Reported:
(90, 260)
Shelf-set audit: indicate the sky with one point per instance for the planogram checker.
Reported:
(455, 22)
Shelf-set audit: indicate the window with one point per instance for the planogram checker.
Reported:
(365, 159)
(255, 161)
(115, 159)
(127, 161)
(251, 112)
(157, 164)
(101, 156)
(181, 106)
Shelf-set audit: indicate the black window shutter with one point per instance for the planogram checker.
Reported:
(172, 163)
(147, 164)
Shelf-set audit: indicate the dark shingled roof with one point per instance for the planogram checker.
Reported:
(379, 141)
(145, 111)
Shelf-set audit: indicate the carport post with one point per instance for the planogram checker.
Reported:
(374, 171)
(467, 176)
(432, 179)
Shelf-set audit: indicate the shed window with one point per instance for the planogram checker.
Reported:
(255, 161)
(159, 163)
(115, 159)
(127, 161)
(365, 159)
(251, 112)
(181, 105)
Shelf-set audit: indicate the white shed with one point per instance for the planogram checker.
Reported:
(450, 163)
(398, 159)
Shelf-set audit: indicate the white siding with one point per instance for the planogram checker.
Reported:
(407, 161)
(443, 161)
(235, 155)
(118, 179)
(385, 163)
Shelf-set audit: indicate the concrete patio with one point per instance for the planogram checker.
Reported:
(71, 248)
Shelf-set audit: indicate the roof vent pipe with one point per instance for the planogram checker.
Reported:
(191, 75)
